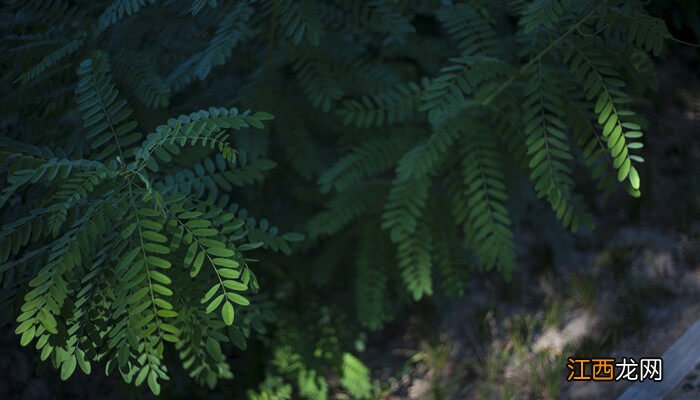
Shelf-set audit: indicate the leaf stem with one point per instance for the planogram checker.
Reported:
(535, 59)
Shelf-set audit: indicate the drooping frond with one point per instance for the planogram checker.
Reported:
(415, 261)
(548, 149)
(347, 206)
(643, 30)
(355, 377)
(425, 157)
(105, 117)
(378, 16)
(199, 5)
(300, 20)
(471, 30)
(204, 127)
(232, 30)
(119, 9)
(596, 157)
(395, 105)
(51, 60)
(199, 347)
(542, 13)
(602, 84)
(77, 187)
(141, 76)
(451, 91)
(451, 264)
(46, 169)
(316, 78)
(211, 177)
(402, 217)
(364, 161)
(405, 206)
(484, 190)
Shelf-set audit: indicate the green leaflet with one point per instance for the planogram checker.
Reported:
(227, 273)
(227, 313)
(215, 303)
(238, 299)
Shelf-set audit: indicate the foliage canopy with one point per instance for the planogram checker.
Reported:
(406, 134)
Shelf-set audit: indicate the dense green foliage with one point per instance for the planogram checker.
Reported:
(406, 137)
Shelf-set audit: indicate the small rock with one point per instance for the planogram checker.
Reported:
(419, 389)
